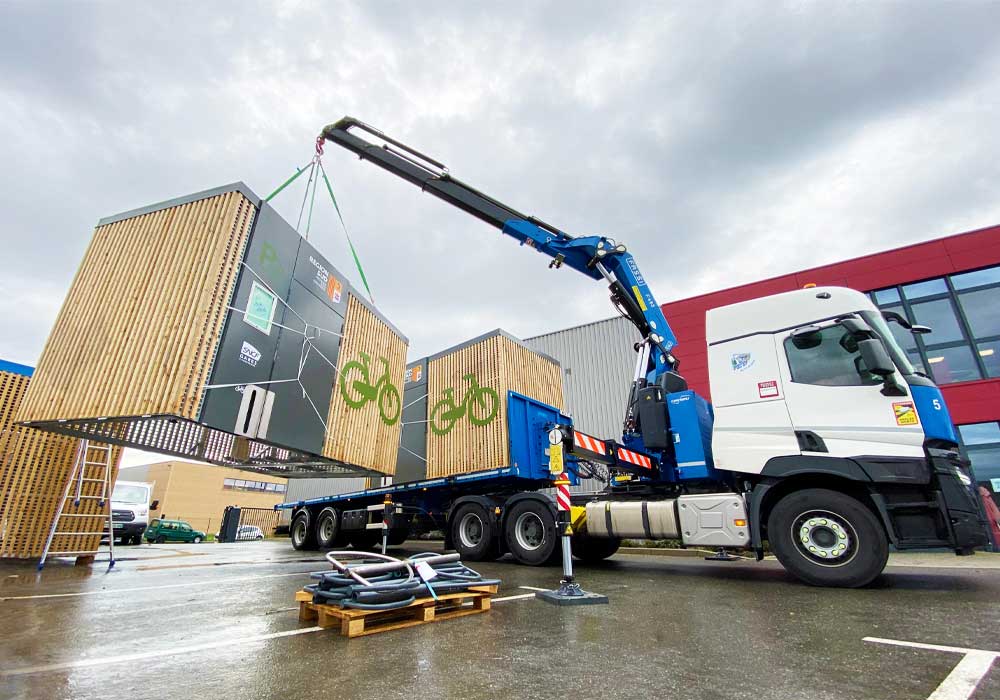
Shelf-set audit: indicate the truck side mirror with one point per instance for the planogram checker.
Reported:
(154, 505)
(875, 357)
(895, 317)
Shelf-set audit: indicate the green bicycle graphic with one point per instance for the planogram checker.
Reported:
(480, 403)
(357, 388)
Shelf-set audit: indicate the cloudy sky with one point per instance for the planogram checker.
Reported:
(722, 145)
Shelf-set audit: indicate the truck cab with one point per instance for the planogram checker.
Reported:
(818, 413)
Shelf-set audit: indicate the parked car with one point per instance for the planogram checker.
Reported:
(249, 532)
(161, 530)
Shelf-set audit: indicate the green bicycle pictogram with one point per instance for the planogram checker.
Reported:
(359, 390)
(480, 403)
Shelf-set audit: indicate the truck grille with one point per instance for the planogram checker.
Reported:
(122, 516)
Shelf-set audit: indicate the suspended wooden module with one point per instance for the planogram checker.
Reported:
(455, 415)
(34, 467)
(207, 328)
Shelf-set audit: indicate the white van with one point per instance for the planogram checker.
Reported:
(130, 508)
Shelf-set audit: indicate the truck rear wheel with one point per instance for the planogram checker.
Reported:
(474, 532)
(327, 528)
(303, 536)
(591, 550)
(827, 538)
(530, 533)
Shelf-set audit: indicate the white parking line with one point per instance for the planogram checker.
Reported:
(139, 656)
(961, 683)
(514, 597)
(213, 582)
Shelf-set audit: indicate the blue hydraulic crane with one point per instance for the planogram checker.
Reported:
(598, 257)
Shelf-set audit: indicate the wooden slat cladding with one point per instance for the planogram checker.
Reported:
(364, 430)
(138, 331)
(34, 467)
(475, 438)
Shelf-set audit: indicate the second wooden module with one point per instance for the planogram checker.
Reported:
(455, 404)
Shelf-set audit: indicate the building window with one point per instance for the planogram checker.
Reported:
(982, 445)
(964, 313)
(242, 485)
(950, 365)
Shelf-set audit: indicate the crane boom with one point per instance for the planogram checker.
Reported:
(597, 257)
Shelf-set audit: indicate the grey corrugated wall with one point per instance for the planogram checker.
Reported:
(598, 362)
(302, 489)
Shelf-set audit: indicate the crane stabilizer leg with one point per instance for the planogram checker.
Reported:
(569, 591)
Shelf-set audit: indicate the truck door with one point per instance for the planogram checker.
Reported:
(836, 406)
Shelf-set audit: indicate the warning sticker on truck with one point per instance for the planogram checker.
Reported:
(767, 390)
(905, 413)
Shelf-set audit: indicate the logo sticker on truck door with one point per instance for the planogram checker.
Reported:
(905, 413)
(741, 361)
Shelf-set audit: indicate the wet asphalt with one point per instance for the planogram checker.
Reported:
(187, 621)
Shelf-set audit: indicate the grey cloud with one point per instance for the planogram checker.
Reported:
(680, 130)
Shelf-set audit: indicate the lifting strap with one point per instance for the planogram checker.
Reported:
(313, 180)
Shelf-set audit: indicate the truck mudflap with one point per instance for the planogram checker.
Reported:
(962, 508)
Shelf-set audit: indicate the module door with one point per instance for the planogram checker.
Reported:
(831, 396)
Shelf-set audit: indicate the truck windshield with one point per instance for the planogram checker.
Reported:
(128, 493)
(881, 328)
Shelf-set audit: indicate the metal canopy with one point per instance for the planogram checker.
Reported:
(186, 439)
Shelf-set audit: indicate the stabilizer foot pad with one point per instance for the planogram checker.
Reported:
(586, 598)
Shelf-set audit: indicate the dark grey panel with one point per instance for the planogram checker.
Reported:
(270, 259)
(296, 419)
(411, 463)
(317, 274)
(416, 375)
(186, 199)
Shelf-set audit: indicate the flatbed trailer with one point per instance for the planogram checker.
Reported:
(472, 508)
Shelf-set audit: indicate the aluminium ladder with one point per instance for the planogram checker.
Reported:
(83, 462)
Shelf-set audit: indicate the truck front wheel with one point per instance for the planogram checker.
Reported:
(827, 538)
(303, 536)
(530, 533)
(474, 532)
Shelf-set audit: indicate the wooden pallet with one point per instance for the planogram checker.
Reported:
(358, 623)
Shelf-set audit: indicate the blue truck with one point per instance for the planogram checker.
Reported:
(822, 439)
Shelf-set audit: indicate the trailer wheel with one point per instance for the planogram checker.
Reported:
(591, 550)
(530, 533)
(303, 536)
(327, 528)
(474, 533)
(827, 538)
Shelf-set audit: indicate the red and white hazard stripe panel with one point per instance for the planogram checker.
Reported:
(562, 492)
(586, 442)
(634, 458)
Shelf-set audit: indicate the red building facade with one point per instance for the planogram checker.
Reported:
(951, 284)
